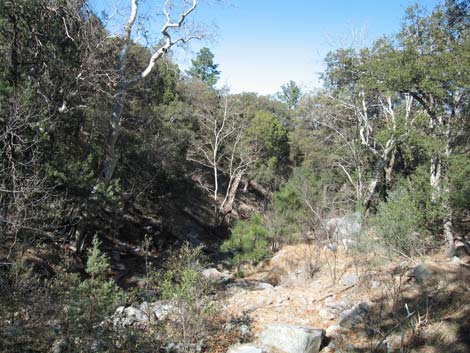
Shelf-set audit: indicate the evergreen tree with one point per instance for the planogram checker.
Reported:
(290, 94)
(203, 67)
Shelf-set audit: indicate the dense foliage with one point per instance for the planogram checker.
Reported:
(386, 136)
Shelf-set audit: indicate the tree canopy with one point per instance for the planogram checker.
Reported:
(204, 68)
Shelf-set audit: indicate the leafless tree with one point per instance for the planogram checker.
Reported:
(23, 187)
(333, 125)
(221, 147)
(384, 153)
(371, 113)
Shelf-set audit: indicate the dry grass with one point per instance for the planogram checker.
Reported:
(442, 305)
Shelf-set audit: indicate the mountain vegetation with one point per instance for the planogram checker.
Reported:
(122, 176)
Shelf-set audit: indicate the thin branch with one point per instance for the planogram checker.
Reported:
(168, 40)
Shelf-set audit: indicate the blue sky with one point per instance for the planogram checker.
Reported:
(262, 44)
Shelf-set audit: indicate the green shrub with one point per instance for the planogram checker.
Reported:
(182, 283)
(249, 241)
(182, 278)
(431, 211)
(239, 274)
(459, 171)
(292, 213)
(398, 221)
(96, 298)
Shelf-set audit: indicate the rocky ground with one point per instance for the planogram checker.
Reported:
(307, 299)
(357, 304)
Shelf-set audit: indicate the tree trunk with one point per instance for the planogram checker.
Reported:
(111, 156)
(232, 193)
(439, 181)
(124, 84)
(389, 171)
(435, 177)
(216, 180)
(378, 173)
(448, 228)
(449, 235)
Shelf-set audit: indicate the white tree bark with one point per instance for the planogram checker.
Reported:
(231, 193)
(440, 194)
(385, 157)
(379, 168)
(240, 161)
(440, 125)
(219, 148)
(111, 157)
(218, 128)
(350, 164)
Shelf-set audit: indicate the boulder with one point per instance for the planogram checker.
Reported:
(374, 284)
(349, 280)
(421, 272)
(264, 286)
(179, 347)
(337, 307)
(60, 346)
(141, 316)
(333, 330)
(292, 339)
(129, 316)
(245, 348)
(354, 316)
(214, 275)
(244, 330)
(326, 314)
(342, 229)
(159, 310)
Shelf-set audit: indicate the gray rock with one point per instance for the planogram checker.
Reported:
(374, 284)
(141, 316)
(349, 280)
(130, 316)
(245, 348)
(60, 346)
(421, 272)
(333, 330)
(264, 286)
(326, 314)
(338, 306)
(214, 275)
(354, 316)
(173, 347)
(344, 227)
(160, 310)
(292, 339)
(244, 330)
(242, 283)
